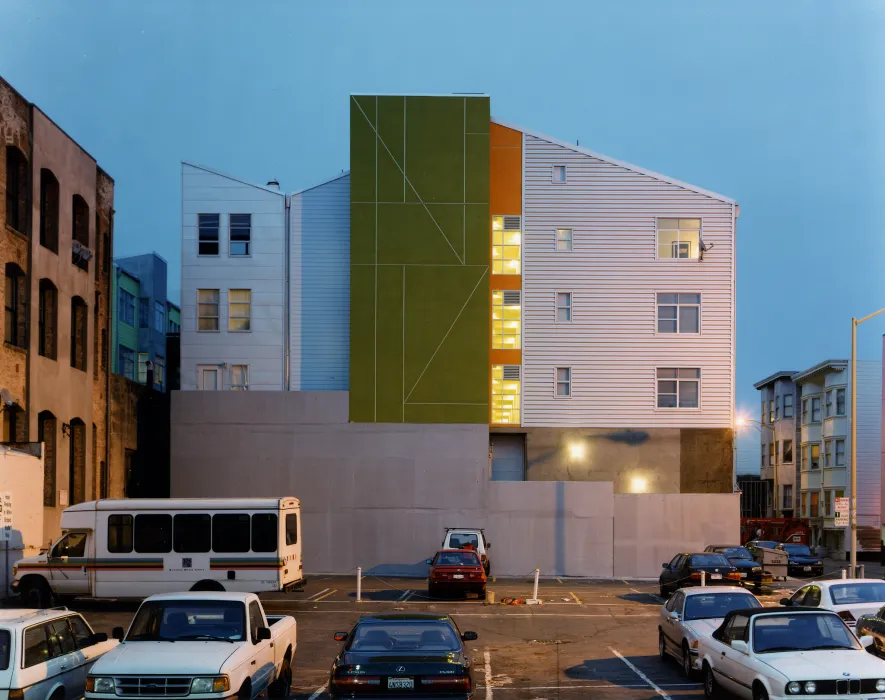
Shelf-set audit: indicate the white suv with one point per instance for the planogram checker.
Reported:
(46, 654)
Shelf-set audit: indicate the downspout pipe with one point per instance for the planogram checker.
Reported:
(107, 377)
(287, 338)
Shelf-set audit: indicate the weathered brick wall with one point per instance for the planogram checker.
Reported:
(124, 429)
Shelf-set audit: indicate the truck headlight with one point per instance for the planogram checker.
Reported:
(99, 684)
(214, 684)
(880, 686)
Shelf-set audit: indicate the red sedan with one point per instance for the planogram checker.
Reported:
(456, 571)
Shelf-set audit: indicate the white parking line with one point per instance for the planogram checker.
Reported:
(317, 692)
(488, 673)
(597, 685)
(406, 595)
(639, 673)
(316, 595)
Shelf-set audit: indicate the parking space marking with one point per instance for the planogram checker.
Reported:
(488, 673)
(639, 673)
(598, 685)
(317, 692)
(318, 594)
(577, 600)
(325, 595)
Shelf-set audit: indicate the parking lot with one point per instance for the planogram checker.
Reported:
(586, 637)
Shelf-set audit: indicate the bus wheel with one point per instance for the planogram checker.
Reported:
(36, 593)
(207, 585)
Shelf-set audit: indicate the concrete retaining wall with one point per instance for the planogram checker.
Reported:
(380, 495)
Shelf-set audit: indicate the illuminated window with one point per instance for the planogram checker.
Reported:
(679, 238)
(506, 245)
(505, 394)
(506, 320)
(240, 310)
(563, 239)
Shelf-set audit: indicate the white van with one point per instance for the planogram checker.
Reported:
(136, 548)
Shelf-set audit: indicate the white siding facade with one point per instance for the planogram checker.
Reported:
(263, 272)
(869, 443)
(611, 344)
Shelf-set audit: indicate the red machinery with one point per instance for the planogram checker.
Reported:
(775, 529)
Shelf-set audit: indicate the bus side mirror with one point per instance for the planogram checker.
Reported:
(118, 633)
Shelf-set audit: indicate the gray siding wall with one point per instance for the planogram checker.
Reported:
(869, 442)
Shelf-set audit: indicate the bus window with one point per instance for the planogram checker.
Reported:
(120, 534)
(192, 533)
(153, 534)
(264, 532)
(230, 532)
(292, 528)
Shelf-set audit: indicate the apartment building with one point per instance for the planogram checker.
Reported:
(779, 429)
(56, 244)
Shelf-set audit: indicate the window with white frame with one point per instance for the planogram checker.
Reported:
(560, 173)
(207, 378)
(804, 411)
(777, 453)
(679, 313)
(240, 226)
(840, 402)
(788, 451)
(828, 403)
(788, 405)
(563, 239)
(762, 460)
(679, 387)
(788, 496)
(239, 310)
(159, 371)
(159, 317)
(207, 309)
(840, 453)
(208, 226)
(814, 456)
(828, 453)
(506, 245)
(771, 411)
(679, 238)
(777, 407)
(563, 382)
(771, 459)
(239, 377)
(142, 367)
(815, 409)
(563, 307)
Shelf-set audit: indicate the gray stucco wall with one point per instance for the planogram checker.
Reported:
(380, 495)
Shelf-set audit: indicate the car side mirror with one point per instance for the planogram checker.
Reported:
(740, 646)
(118, 633)
(98, 637)
(340, 636)
(786, 602)
(673, 615)
(867, 641)
(469, 636)
(429, 562)
(263, 634)
(665, 565)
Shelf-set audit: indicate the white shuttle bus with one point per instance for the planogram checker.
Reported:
(133, 548)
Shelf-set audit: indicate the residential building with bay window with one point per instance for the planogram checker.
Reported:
(779, 442)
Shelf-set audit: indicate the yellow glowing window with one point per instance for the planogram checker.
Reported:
(506, 245)
(679, 238)
(505, 394)
(506, 319)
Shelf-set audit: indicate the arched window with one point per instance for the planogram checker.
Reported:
(48, 322)
(15, 306)
(80, 232)
(49, 199)
(15, 423)
(47, 428)
(16, 189)
(77, 462)
(79, 316)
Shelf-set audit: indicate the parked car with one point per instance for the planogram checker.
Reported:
(802, 561)
(47, 653)
(765, 653)
(873, 625)
(850, 599)
(694, 613)
(213, 644)
(741, 559)
(685, 570)
(469, 538)
(456, 571)
(403, 654)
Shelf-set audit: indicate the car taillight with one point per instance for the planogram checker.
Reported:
(447, 682)
(696, 575)
(355, 683)
(847, 616)
(734, 576)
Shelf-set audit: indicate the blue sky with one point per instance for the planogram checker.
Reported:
(778, 105)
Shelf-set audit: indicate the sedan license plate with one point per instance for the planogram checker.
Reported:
(806, 568)
(458, 576)
(743, 574)
(715, 576)
(401, 683)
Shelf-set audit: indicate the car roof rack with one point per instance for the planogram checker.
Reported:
(39, 613)
(467, 529)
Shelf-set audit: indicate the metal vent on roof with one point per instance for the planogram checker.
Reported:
(511, 372)
(512, 223)
(512, 298)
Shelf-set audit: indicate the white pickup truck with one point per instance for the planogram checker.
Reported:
(469, 538)
(202, 644)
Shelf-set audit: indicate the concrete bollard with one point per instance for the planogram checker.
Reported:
(844, 573)
(703, 579)
(359, 584)
(535, 590)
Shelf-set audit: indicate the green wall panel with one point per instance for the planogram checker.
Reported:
(420, 257)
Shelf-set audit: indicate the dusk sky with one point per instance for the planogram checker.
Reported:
(777, 104)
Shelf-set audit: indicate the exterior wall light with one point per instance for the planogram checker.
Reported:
(638, 484)
(576, 450)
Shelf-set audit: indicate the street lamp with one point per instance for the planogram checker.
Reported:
(852, 504)
(740, 422)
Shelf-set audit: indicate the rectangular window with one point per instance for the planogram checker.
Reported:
(230, 532)
(777, 407)
(159, 317)
(804, 411)
(207, 309)
(126, 301)
(788, 451)
(239, 310)
(815, 410)
(144, 312)
(678, 388)
(762, 462)
(777, 453)
(814, 456)
(679, 238)
(127, 362)
(48, 320)
(208, 225)
(239, 377)
(240, 234)
(207, 378)
(815, 500)
(506, 319)
(159, 372)
(291, 529)
(840, 402)
(679, 313)
(79, 316)
(506, 245)
(828, 403)
(804, 498)
(840, 453)
(142, 367)
(788, 497)
(36, 646)
(788, 405)
(563, 382)
(505, 394)
(771, 459)
(61, 639)
(192, 533)
(771, 411)
(119, 534)
(264, 532)
(563, 239)
(560, 173)
(828, 453)
(563, 307)
(81, 631)
(153, 533)
(762, 413)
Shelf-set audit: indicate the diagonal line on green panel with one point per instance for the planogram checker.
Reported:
(472, 292)
(399, 167)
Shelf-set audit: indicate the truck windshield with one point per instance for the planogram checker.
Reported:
(173, 620)
(460, 540)
(4, 649)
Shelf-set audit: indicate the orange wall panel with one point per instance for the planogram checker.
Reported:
(505, 171)
(505, 282)
(505, 357)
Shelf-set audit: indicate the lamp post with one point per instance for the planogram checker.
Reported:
(740, 422)
(852, 504)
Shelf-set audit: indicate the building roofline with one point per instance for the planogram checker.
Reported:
(154, 253)
(826, 365)
(612, 161)
(343, 174)
(173, 305)
(231, 177)
(783, 374)
(419, 94)
(126, 272)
